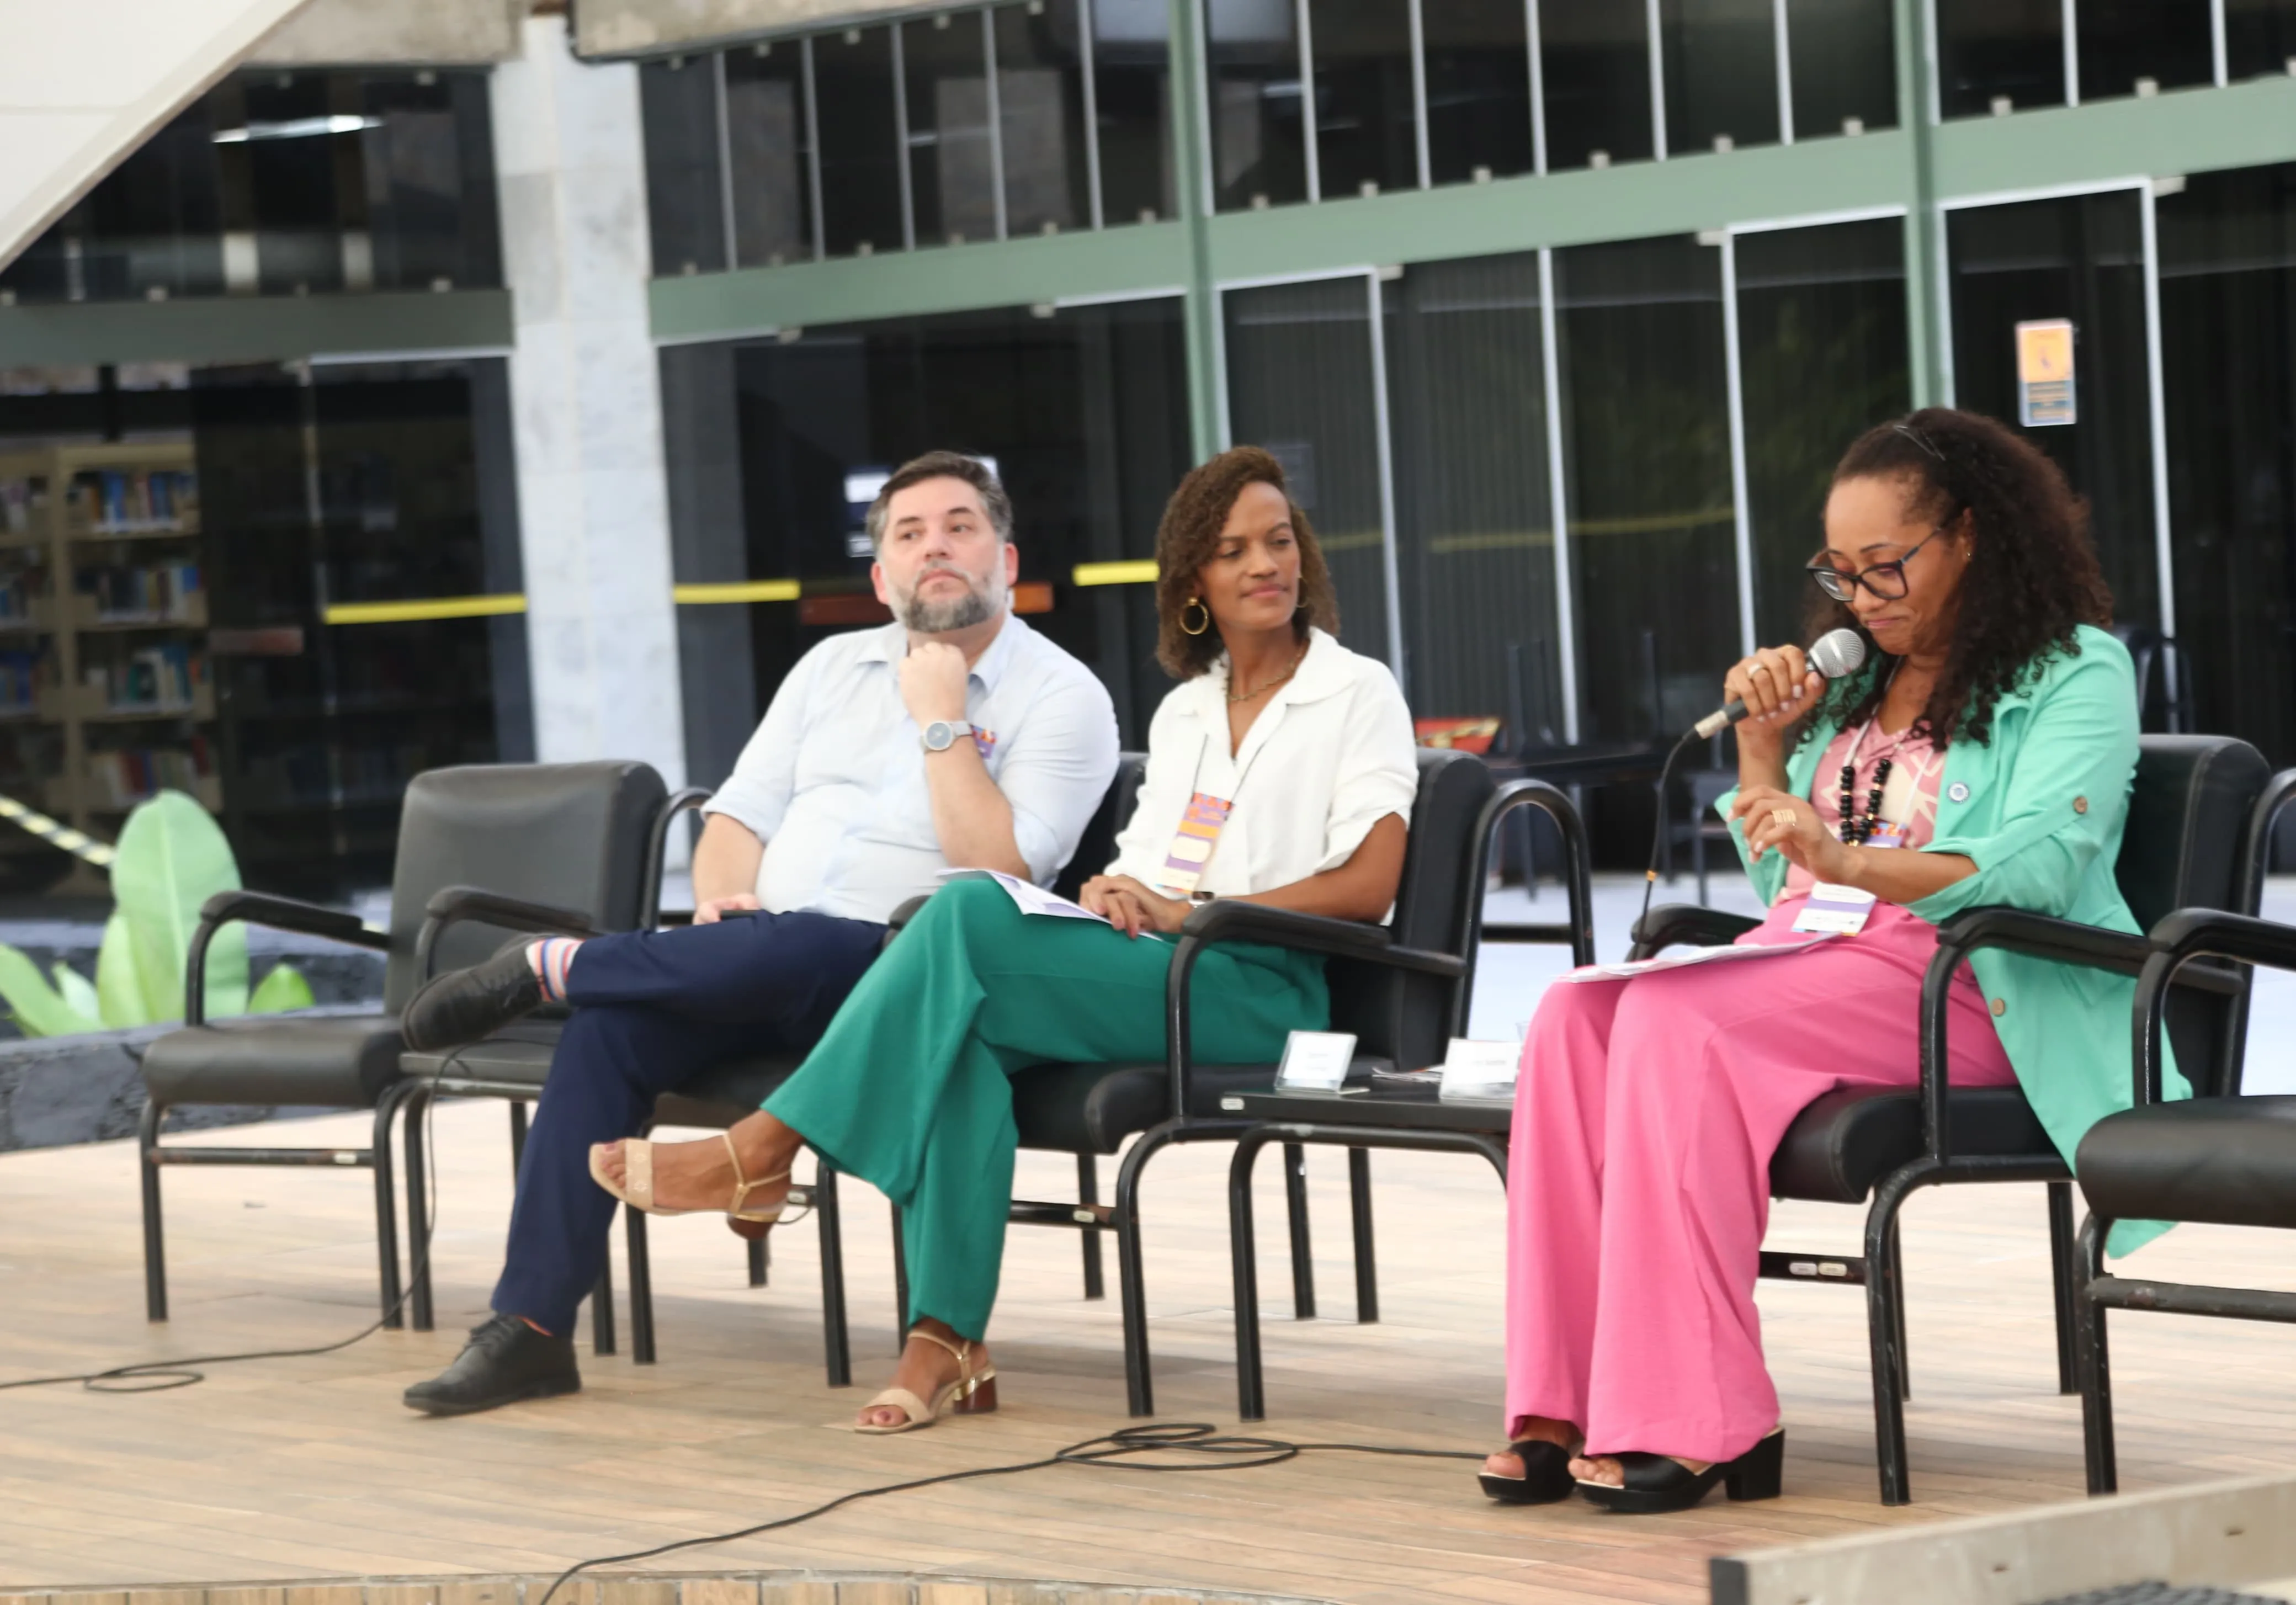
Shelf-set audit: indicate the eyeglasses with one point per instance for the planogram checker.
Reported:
(1884, 580)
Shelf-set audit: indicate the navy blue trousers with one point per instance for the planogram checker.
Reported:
(652, 1010)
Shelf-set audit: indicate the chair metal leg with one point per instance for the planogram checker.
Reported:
(1131, 1278)
(900, 1289)
(1905, 1349)
(836, 1344)
(760, 1258)
(386, 1205)
(155, 1248)
(517, 1135)
(1303, 1263)
(2063, 1271)
(2096, 1363)
(1088, 1195)
(1251, 1389)
(601, 1309)
(418, 1208)
(1366, 1257)
(640, 1258)
(1885, 1327)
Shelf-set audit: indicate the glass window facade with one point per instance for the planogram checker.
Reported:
(1259, 155)
(685, 180)
(2260, 38)
(1132, 83)
(1040, 109)
(1999, 55)
(2081, 257)
(1303, 381)
(855, 91)
(1478, 56)
(276, 183)
(1721, 74)
(1646, 469)
(952, 180)
(1366, 115)
(1594, 75)
(1473, 502)
(1844, 66)
(1084, 413)
(2139, 47)
(1822, 358)
(769, 134)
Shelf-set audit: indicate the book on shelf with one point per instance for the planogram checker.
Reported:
(125, 776)
(21, 678)
(162, 591)
(20, 501)
(125, 501)
(169, 675)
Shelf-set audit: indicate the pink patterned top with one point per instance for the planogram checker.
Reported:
(1908, 802)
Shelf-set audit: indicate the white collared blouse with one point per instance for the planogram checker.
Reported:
(1330, 756)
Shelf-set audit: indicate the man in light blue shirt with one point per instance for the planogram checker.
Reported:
(954, 737)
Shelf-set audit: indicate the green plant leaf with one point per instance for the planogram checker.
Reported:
(77, 991)
(39, 1010)
(119, 994)
(172, 858)
(283, 989)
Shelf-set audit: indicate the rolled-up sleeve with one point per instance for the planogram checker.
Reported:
(2066, 796)
(757, 793)
(1378, 772)
(1057, 770)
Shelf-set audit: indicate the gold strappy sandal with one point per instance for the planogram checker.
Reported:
(636, 1189)
(969, 1395)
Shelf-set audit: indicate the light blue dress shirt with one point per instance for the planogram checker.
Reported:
(833, 781)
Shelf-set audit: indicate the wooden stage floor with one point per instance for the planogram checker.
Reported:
(310, 1467)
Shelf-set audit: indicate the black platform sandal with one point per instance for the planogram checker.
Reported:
(1545, 1475)
(1658, 1484)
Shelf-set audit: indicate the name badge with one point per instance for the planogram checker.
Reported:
(1314, 1061)
(1479, 1072)
(1834, 910)
(1192, 846)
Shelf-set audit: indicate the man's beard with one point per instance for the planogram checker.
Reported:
(937, 616)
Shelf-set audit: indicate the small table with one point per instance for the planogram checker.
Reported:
(1401, 1115)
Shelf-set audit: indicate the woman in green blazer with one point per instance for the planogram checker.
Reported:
(1984, 755)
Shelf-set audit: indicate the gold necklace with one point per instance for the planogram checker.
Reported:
(1232, 698)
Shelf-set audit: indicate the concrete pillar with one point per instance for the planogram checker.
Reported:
(585, 397)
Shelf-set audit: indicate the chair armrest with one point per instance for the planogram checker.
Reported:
(2045, 936)
(454, 905)
(905, 913)
(2182, 937)
(657, 846)
(275, 913)
(1687, 925)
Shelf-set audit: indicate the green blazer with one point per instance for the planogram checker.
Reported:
(2038, 809)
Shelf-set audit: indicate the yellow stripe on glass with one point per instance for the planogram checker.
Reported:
(415, 612)
(1115, 574)
(744, 590)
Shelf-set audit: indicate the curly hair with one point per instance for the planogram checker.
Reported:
(2031, 581)
(1190, 533)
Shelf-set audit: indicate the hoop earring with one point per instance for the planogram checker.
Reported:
(1196, 602)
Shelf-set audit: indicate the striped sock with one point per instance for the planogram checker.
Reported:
(551, 957)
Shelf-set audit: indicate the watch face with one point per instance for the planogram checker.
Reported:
(939, 736)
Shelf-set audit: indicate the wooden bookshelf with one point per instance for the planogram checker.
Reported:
(59, 522)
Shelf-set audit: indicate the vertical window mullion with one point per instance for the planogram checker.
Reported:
(1537, 86)
(1390, 567)
(2164, 555)
(2220, 67)
(1566, 612)
(2071, 12)
(995, 117)
(1786, 72)
(1091, 109)
(813, 150)
(901, 140)
(1658, 78)
(1418, 93)
(1743, 516)
(1306, 29)
(725, 159)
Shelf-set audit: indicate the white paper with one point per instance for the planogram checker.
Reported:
(1680, 958)
(1314, 1061)
(1482, 1071)
(1028, 896)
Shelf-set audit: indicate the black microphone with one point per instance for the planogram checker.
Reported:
(1838, 653)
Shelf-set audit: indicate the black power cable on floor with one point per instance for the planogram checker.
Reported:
(163, 1376)
(1111, 1452)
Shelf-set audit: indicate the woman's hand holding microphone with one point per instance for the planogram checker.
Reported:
(1778, 686)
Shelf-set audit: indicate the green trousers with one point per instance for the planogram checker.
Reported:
(909, 1089)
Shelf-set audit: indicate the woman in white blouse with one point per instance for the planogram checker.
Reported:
(1280, 770)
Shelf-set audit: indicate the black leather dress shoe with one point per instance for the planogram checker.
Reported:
(506, 1361)
(464, 1005)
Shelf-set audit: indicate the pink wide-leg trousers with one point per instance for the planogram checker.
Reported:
(1638, 1182)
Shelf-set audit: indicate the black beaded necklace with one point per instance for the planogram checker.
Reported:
(1856, 831)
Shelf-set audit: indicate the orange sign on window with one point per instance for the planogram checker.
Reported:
(2045, 372)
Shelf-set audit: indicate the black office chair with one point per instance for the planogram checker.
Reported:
(2218, 1157)
(573, 833)
(2186, 845)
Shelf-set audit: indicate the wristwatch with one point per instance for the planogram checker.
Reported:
(942, 734)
